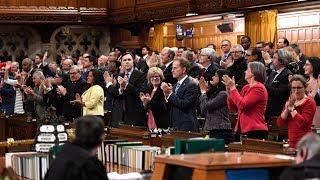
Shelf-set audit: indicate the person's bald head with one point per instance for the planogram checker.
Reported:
(27, 64)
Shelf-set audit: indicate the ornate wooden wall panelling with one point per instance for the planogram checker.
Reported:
(204, 34)
(303, 29)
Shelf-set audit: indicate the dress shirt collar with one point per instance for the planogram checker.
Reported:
(184, 78)
(168, 64)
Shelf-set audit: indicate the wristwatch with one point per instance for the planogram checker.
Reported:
(291, 109)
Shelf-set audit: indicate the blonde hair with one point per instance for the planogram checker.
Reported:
(154, 70)
(154, 61)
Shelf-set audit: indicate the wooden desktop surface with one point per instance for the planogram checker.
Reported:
(233, 160)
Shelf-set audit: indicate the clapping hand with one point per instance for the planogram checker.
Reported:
(77, 101)
(228, 82)
(29, 91)
(107, 77)
(145, 98)
(166, 88)
(61, 90)
(203, 84)
(266, 57)
(122, 82)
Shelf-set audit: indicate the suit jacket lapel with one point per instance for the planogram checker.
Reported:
(183, 86)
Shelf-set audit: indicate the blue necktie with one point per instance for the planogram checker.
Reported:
(177, 87)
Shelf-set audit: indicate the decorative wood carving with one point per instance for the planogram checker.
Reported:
(116, 11)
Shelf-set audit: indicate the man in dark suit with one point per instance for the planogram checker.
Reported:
(238, 66)
(307, 159)
(277, 84)
(207, 57)
(27, 67)
(194, 70)
(182, 97)
(127, 106)
(41, 65)
(225, 48)
(167, 56)
(76, 85)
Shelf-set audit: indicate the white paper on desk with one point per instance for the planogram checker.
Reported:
(129, 176)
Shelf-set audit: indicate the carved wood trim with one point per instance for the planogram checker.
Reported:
(134, 11)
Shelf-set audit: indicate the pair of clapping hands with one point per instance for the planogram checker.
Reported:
(77, 101)
(123, 81)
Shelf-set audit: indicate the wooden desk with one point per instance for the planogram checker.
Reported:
(168, 139)
(132, 133)
(261, 146)
(214, 165)
(18, 128)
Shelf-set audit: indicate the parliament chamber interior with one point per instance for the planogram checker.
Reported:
(159, 89)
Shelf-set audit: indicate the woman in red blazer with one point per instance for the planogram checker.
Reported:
(298, 111)
(251, 102)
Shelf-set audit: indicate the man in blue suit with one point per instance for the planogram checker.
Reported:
(182, 97)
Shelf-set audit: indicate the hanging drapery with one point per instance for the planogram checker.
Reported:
(261, 26)
(157, 42)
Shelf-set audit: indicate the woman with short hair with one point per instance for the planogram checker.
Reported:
(298, 111)
(251, 102)
(154, 101)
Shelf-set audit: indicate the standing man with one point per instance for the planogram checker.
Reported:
(245, 43)
(182, 97)
(225, 48)
(207, 58)
(76, 85)
(127, 106)
(167, 56)
(282, 42)
(277, 84)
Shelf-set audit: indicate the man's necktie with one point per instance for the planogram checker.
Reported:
(177, 87)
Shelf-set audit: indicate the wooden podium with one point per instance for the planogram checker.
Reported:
(215, 165)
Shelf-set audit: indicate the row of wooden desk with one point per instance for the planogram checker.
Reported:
(203, 166)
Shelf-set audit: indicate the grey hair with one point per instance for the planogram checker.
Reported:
(209, 52)
(75, 67)
(258, 70)
(69, 61)
(238, 46)
(311, 142)
(284, 56)
(38, 73)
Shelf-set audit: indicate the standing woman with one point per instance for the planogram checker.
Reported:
(154, 101)
(298, 111)
(92, 99)
(312, 70)
(213, 103)
(251, 102)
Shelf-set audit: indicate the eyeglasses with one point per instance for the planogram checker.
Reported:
(297, 88)
(248, 54)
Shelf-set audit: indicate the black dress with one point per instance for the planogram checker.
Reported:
(74, 162)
